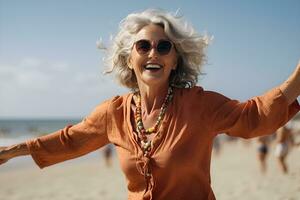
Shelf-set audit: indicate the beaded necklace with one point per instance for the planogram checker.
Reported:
(142, 132)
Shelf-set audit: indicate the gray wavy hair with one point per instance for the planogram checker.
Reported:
(189, 45)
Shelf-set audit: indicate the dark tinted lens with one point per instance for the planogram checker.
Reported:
(164, 47)
(142, 46)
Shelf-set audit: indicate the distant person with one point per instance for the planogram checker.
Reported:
(163, 130)
(107, 153)
(262, 152)
(284, 142)
(217, 146)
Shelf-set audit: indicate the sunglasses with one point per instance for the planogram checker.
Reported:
(163, 47)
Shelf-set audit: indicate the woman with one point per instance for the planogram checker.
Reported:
(163, 131)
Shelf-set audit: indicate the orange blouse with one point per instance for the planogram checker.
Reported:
(181, 153)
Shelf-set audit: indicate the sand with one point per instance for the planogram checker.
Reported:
(235, 175)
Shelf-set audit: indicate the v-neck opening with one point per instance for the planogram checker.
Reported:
(157, 139)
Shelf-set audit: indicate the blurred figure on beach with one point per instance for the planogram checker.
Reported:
(284, 142)
(107, 153)
(217, 146)
(262, 152)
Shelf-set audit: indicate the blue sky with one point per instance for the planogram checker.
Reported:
(50, 67)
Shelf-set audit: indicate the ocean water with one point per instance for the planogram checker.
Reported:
(18, 130)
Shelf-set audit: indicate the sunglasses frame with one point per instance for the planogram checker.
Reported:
(156, 45)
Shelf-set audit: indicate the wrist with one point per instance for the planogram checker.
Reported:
(290, 88)
(17, 150)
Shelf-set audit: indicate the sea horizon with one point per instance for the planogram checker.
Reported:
(14, 130)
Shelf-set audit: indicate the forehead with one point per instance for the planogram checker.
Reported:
(151, 32)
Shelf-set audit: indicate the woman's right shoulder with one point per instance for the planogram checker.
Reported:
(114, 102)
(108, 106)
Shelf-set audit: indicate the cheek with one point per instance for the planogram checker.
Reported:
(137, 66)
(136, 59)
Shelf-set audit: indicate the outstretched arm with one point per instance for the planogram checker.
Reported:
(12, 151)
(260, 115)
(291, 87)
(65, 144)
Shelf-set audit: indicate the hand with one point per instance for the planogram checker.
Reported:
(297, 70)
(291, 87)
(4, 156)
(12, 151)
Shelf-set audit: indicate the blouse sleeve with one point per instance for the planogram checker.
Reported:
(72, 141)
(261, 115)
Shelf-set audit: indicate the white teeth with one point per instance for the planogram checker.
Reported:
(153, 66)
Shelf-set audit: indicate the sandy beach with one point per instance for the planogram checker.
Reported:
(235, 175)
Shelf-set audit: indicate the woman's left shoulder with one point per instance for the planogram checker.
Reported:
(199, 92)
(196, 90)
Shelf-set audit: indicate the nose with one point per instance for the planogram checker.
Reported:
(153, 53)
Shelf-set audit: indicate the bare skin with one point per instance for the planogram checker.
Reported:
(12, 151)
(153, 85)
(291, 87)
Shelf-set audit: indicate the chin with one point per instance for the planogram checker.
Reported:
(155, 81)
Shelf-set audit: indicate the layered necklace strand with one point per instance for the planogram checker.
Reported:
(142, 132)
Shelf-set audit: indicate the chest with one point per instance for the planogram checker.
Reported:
(181, 138)
(176, 142)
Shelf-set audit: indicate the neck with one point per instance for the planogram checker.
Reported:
(153, 97)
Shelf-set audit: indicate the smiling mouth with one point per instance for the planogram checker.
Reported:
(153, 67)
